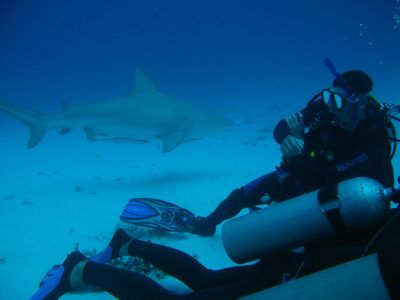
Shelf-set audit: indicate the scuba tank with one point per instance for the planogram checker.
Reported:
(349, 206)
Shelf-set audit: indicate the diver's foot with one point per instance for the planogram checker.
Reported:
(57, 281)
(200, 226)
(119, 239)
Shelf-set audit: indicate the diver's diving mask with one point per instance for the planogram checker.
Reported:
(347, 110)
(333, 100)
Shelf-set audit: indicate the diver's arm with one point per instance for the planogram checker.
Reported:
(290, 134)
(294, 125)
(281, 131)
(316, 106)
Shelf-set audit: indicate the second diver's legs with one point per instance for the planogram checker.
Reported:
(172, 261)
(229, 283)
(126, 285)
(184, 267)
(196, 276)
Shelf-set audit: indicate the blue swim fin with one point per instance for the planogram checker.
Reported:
(155, 213)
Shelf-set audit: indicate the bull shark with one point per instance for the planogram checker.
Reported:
(144, 116)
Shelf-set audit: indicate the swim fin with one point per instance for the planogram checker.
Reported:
(155, 213)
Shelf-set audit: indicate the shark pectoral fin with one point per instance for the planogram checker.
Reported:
(65, 130)
(37, 133)
(91, 133)
(171, 140)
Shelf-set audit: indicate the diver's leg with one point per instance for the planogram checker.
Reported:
(236, 282)
(229, 283)
(118, 240)
(228, 208)
(77, 271)
(262, 275)
(183, 266)
(57, 281)
(195, 275)
(124, 284)
(170, 260)
(276, 186)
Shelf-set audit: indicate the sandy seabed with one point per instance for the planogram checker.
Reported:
(68, 192)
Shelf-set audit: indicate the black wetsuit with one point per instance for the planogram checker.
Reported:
(331, 154)
(239, 281)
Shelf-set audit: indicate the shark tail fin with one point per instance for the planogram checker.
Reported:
(34, 120)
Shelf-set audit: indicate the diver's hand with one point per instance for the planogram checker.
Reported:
(292, 146)
(296, 125)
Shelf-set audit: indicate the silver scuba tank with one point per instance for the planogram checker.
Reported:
(357, 204)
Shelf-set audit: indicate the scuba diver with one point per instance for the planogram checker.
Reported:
(342, 133)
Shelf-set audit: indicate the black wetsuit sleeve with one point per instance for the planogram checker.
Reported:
(281, 131)
(315, 106)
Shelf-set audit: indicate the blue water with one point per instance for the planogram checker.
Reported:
(80, 51)
(256, 61)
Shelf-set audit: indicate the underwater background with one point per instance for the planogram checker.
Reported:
(253, 61)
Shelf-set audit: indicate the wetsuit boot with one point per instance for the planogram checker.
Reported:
(230, 207)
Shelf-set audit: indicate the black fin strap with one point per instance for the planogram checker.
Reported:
(330, 206)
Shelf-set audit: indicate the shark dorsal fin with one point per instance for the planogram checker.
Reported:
(143, 84)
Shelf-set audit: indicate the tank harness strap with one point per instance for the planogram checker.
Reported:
(330, 206)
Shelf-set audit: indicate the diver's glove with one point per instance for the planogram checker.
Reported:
(292, 146)
(295, 123)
